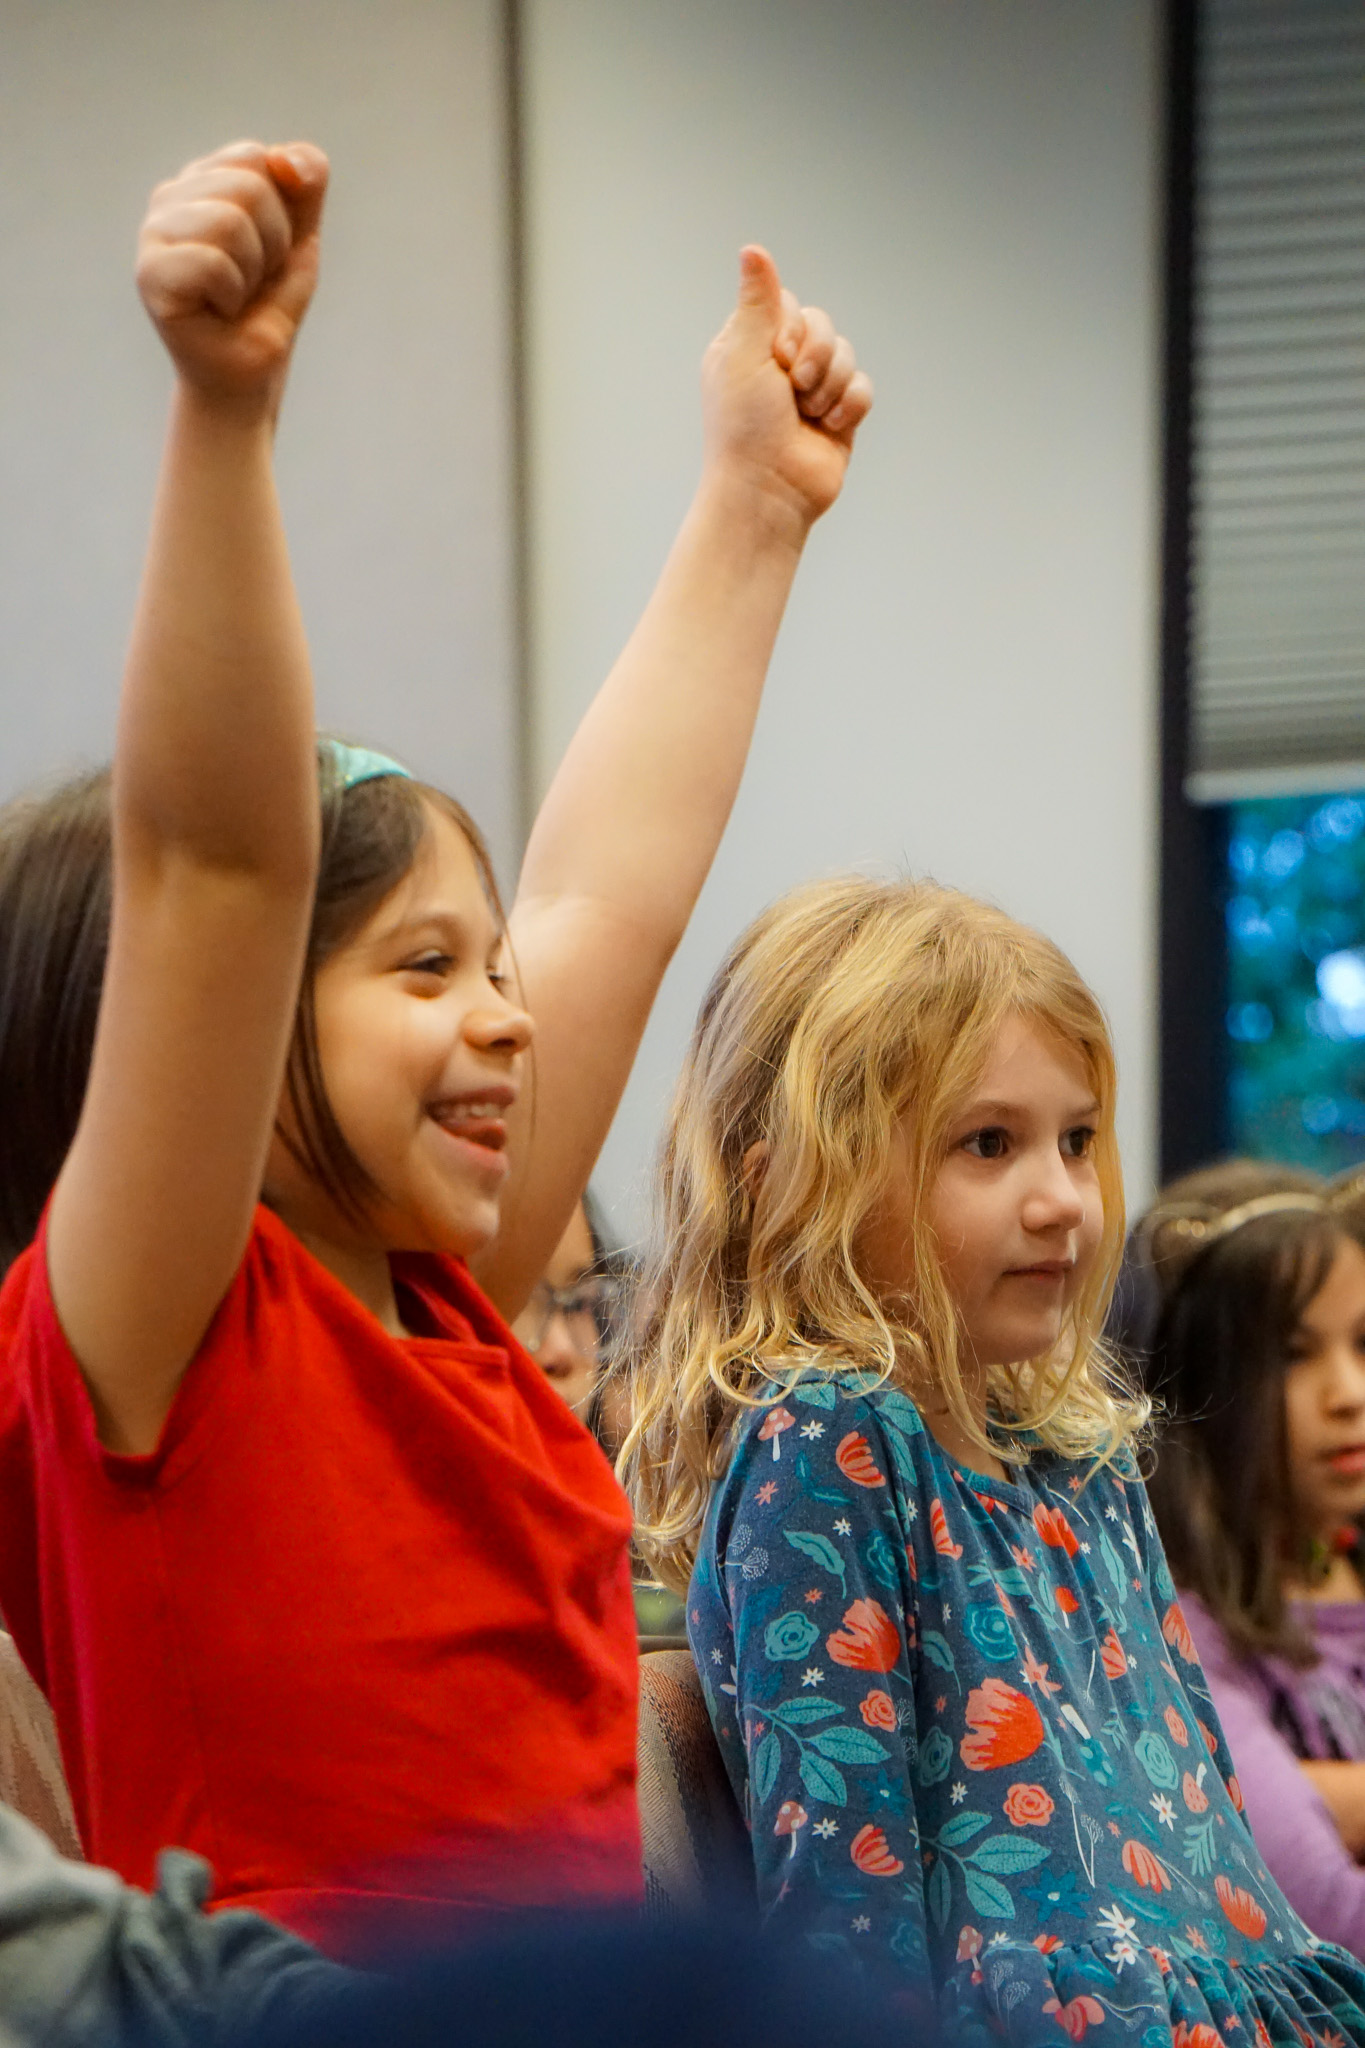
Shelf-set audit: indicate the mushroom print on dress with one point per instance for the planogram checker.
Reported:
(966, 1723)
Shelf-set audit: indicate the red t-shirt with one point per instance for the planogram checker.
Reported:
(359, 1630)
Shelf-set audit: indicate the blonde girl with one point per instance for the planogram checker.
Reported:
(879, 1441)
(320, 1577)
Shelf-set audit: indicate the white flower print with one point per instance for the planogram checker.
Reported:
(1111, 1514)
(1085, 1550)
(716, 1657)
(812, 1675)
(947, 1610)
(1121, 1953)
(863, 1924)
(912, 1511)
(997, 1941)
(843, 1527)
(958, 1793)
(755, 1564)
(826, 1829)
(1112, 1921)
(1164, 1810)
(811, 1430)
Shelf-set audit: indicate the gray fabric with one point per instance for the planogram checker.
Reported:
(84, 1958)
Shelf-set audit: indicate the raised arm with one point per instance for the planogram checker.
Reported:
(214, 808)
(631, 823)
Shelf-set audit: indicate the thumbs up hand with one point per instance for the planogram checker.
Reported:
(783, 395)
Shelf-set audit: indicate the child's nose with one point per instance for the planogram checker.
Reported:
(1055, 1202)
(499, 1026)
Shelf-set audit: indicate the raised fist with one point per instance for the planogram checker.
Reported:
(227, 262)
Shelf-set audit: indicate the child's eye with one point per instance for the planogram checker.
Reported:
(991, 1143)
(1077, 1142)
(429, 963)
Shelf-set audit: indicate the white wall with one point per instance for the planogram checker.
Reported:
(966, 683)
(395, 447)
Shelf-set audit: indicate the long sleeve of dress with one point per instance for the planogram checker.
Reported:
(817, 1715)
(1293, 1827)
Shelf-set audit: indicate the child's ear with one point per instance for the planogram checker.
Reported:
(753, 1167)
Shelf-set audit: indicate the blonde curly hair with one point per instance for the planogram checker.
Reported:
(850, 1013)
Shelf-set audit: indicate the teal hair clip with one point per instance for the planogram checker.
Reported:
(359, 764)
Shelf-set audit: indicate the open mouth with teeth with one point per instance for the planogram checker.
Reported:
(478, 1123)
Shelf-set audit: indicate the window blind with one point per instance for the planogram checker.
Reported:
(1277, 454)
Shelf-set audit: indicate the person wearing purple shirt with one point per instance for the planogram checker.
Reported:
(1257, 1282)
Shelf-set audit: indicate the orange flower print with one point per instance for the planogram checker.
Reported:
(1262, 2035)
(1066, 1600)
(1025, 1559)
(854, 1460)
(1055, 1530)
(1235, 1793)
(1077, 2014)
(1243, 1911)
(1193, 1793)
(1028, 1806)
(1113, 1656)
(867, 1641)
(1179, 1732)
(872, 1854)
(1145, 1868)
(938, 1524)
(1005, 1727)
(1200, 2035)
(878, 1710)
(1047, 1943)
(1176, 1631)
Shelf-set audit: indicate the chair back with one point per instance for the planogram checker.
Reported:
(696, 1846)
(31, 1777)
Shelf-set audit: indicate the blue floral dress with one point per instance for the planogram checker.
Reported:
(966, 1723)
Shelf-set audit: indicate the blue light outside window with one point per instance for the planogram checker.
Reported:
(1296, 979)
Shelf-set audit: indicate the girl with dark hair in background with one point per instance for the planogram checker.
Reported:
(1258, 1353)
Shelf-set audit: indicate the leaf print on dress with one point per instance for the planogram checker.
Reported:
(1005, 1727)
(1113, 1656)
(854, 1459)
(820, 1550)
(868, 1641)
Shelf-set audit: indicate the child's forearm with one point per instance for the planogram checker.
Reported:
(215, 757)
(642, 796)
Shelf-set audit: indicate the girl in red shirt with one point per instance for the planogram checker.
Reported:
(320, 1577)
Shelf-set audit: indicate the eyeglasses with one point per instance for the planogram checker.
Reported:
(586, 1308)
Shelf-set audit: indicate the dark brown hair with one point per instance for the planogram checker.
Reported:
(55, 874)
(1228, 1309)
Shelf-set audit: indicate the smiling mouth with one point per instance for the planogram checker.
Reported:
(1349, 1462)
(477, 1122)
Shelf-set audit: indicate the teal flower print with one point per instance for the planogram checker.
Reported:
(985, 1623)
(1152, 1753)
(935, 1757)
(790, 1636)
(1057, 1892)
